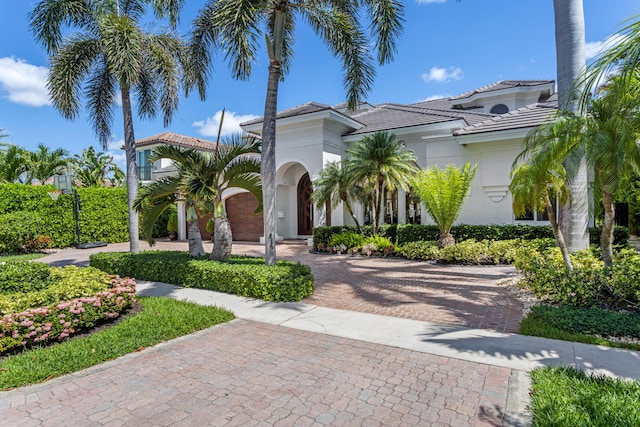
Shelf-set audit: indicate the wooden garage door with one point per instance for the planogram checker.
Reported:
(245, 225)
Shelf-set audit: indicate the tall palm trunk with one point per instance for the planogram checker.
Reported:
(557, 232)
(570, 55)
(377, 212)
(132, 169)
(195, 240)
(606, 238)
(222, 239)
(268, 162)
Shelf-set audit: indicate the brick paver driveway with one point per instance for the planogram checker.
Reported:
(454, 295)
(253, 374)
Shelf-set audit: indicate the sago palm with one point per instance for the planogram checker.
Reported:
(335, 186)
(381, 161)
(201, 179)
(237, 29)
(443, 192)
(105, 60)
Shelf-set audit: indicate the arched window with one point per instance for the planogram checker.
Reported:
(499, 109)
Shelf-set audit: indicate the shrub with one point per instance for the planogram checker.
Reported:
(465, 252)
(19, 228)
(380, 244)
(65, 318)
(27, 213)
(427, 250)
(588, 285)
(591, 321)
(244, 276)
(620, 235)
(23, 276)
(64, 283)
(349, 240)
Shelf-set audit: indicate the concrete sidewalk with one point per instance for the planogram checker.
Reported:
(474, 345)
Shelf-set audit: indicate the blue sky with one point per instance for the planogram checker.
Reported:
(447, 47)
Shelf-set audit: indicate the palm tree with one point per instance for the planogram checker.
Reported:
(93, 169)
(606, 137)
(13, 164)
(43, 163)
(621, 58)
(570, 56)
(237, 28)
(111, 55)
(443, 192)
(381, 161)
(202, 178)
(535, 187)
(334, 185)
(613, 150)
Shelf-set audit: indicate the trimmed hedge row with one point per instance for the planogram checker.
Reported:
(243, 276)
(27, 212)
(417, 232)
(62, 319)
(592, 321)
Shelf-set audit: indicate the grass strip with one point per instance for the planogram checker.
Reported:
(24, 257)
(163, 319)
(565, 397)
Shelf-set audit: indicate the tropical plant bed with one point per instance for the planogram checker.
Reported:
(243, 276)
(155, 320)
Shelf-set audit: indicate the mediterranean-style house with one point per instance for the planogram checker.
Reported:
(485, 126)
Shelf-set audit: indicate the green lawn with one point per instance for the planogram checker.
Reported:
(162, 319)
(25, 257)
(564, 397)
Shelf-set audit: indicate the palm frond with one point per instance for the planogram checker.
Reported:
(345, 38)
(386, 17)
(101, 99)
(69, 67)
(49, 16)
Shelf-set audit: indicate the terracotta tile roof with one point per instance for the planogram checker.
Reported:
(525, 117)
(503, 84)
(176, 139)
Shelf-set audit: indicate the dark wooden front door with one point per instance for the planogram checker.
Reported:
(305, 208)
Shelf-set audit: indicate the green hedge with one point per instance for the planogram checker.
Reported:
(417, 232)
(27, 211)
(592, 321)
(244, 276)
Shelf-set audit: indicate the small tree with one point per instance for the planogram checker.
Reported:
(443, 191)
(334, 185)
(534, 188)
(380, 161)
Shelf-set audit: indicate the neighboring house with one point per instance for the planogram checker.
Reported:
(484, 126)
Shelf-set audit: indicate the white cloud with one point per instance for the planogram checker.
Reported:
(116, 144)
(24, 83)
(442, 75)
(430, 1)
(230, 125)
(119, 158)
(593, 49)
(433, 97)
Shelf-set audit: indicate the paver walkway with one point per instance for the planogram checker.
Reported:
(305, 364)
(253, 374)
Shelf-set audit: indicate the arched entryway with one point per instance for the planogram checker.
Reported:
(305, 207)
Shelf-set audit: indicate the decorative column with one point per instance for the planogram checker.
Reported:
(402, 206)
(182, 221)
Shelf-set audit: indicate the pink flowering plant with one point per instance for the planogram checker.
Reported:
(63, 319)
